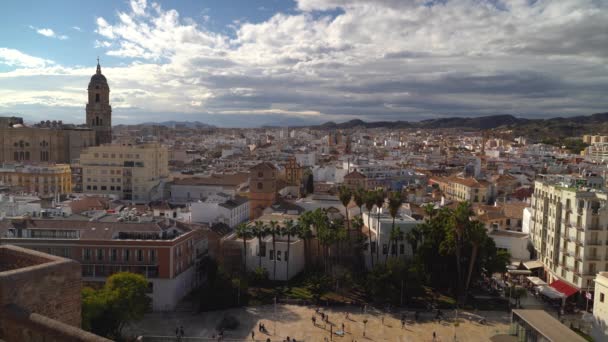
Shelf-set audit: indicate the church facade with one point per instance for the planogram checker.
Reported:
(54, 141)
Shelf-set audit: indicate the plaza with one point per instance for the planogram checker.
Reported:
(296, 322)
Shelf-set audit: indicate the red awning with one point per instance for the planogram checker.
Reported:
(564, 287)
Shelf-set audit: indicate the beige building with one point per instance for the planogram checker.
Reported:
(600, 308)
(465, 189)
(130, 172)
(594, 139)
(42, 180)
(568, 230)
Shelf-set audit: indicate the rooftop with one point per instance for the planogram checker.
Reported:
(548, 326)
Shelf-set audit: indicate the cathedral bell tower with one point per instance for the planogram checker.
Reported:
(99, 111)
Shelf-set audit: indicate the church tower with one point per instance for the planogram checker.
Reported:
(99, 111)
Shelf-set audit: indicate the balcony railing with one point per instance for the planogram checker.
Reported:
(593, 258)
(594, 243)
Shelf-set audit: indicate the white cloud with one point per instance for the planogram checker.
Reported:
(374, 59)
(16, 58)
(77, 28)
(47, 32)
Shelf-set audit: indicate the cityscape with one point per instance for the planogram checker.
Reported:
(304, 170)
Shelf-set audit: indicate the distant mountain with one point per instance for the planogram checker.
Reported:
(188, 124)
(538, 129)
(483, 122)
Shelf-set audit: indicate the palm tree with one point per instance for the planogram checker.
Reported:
(259, 231)
(345, 195)
(244, 232)
(305, 233)
(359, 198)
(369, 200)
(290, 229)
(477, 236)
(460, 222)
(413, 237)
(394, 204)
(273, 228)
(379, 202)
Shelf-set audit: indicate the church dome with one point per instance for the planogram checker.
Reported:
(98, 80)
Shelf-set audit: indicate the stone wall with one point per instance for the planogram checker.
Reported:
(48, 285)
(40, 297)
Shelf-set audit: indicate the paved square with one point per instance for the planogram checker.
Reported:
(296, 322)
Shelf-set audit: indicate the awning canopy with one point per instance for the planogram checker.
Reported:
(536, 281)
(519, 272)
(532, 264)
(564, 287)
(550, 292)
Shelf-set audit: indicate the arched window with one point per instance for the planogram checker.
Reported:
(96, 97)
(260, 186)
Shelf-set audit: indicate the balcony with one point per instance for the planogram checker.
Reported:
(595, 227)
(594, 243)
(593, 258)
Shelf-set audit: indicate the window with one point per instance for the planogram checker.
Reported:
(271, 255)
(260, 186)
(260, 174)
(152, 255)
(99, 254)
(113, 254)
(86, 254)
(262, 251)
(103, 187)
(96, 97)
(286, 256)
(601, 297)
(140, 255)
(126, 254)
(278, 255)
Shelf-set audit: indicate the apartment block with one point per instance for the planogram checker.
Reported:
(568, 229)
(42, 180)
(129, 172)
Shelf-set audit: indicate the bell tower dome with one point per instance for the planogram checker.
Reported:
(99, 111)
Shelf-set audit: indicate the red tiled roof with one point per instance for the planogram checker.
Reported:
(564, 287)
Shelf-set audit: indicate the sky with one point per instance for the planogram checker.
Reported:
(246, 63)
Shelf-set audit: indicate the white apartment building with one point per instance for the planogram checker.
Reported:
(380, 235)
(597, 152)
(568, 229)
(599, 329)
(130, 172)
(221, 208)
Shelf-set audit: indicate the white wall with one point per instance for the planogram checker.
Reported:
(599, 329)
(168, 292)
(296, 257)
(517, 246)
(179, 193)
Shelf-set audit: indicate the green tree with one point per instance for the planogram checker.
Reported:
(359, 198)
(310, 184)
(394, 204)
(122, 300)
(304, 232)
(345, 195)
(476, 236)
(243, 231)
(273, 229)
(289, 229)
(259, 231)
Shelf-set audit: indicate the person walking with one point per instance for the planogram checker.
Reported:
(252, 336)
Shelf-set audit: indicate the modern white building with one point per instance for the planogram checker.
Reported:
(186, 190)
(568, 229)
(600, 308)
(12, 206)
(221, 208)
(516, 243)
(380, 234)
